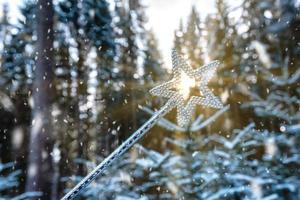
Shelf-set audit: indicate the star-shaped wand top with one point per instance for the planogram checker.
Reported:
(177, 90)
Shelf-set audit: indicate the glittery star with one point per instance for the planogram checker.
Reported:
(178, 88)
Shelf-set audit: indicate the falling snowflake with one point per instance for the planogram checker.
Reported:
(185, 78)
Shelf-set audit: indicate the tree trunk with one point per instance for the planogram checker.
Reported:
(39, 170)
(81, 99)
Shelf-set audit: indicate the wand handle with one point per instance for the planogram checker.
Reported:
(117, 153)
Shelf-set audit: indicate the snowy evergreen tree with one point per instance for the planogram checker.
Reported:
(187, 39)
(89, 24)
(152, 65)
(178, 38)
(223, 44)
(16, 78)
(192, 39)
(9, 181)
(131, 17)
(125, 90)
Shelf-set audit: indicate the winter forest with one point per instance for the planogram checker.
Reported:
(75, 77)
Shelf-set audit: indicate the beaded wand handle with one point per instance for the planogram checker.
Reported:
(116, 154)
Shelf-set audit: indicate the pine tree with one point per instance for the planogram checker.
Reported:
(16, 73)
(221, 37)
(5, 83)
(15, 67)
(192, 39)
(179, 39)
(130, 19)
(187, 40)
(153, 70)
(65, 116)
(223, 44)
(89, 23)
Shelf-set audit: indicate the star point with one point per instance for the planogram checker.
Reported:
(177, 90)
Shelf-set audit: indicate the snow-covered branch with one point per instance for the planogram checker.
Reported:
(28, 195)
(157, 158)
(283, 80)
(164, 122)
(244, 177)
(230, 144)
(225, 192)
(293, 128)
(267, 108)
(196, 125)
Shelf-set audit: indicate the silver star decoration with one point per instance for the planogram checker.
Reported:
(178, 88)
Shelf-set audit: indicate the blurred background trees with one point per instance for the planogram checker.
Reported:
(103, 60)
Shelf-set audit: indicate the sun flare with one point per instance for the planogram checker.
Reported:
(185, 84)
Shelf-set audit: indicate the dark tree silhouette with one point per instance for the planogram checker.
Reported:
(39, 161)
